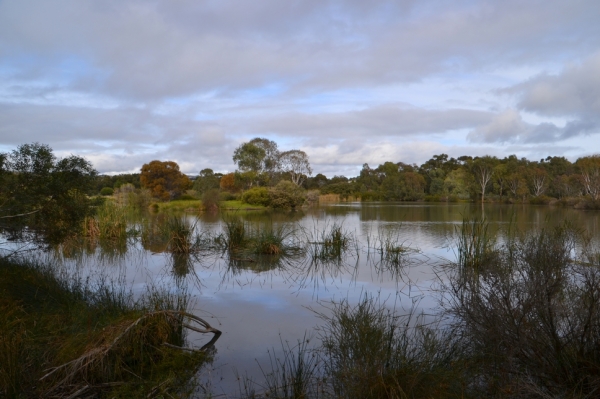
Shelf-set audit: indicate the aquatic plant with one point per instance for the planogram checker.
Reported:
(329, 243)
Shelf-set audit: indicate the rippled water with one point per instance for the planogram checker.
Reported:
(258, 304)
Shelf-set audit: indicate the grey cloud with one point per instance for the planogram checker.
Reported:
(573, 92)
(509, 127)
(156, 49)
(379, 121)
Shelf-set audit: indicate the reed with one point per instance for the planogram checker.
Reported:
(330, 243)
(180, 234)
(71, 338)
(278, 240)
(111, 221)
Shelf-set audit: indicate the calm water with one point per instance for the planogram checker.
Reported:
(258, 304)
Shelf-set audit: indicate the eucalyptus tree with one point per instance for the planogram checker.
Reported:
(295, 162)
(259, 155)
(483, 170)
(590, 175)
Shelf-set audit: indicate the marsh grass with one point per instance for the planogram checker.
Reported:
(330, 243)
(294, 373)
(475, 245)
(391, 253)
(371, 352)
(180, 234)
(186, 205)
(367, 351)
(530, 312)
(72, 338)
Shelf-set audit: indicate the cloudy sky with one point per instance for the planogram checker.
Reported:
(124, 82)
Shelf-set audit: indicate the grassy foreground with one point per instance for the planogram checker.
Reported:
(63, 338)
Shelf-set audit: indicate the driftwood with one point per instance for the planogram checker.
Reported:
(73, 371)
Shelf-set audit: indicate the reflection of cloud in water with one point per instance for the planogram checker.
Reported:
(254, 302)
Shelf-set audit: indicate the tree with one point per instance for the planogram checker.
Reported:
(228, 183)
(164, 179)
(483, 170)
(249, 157)
(590, 175)
(457, 183)
(517, 184)
(206, 180)
(259, 155)
(295, 162)
(44, 193)
(539, 181)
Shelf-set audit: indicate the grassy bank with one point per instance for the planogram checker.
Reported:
(239, 206)
(64, 338)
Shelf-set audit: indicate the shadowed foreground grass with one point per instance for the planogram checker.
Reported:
(61, 338)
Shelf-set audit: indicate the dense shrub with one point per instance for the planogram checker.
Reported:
(257, 196)
(106, 191)
(287, 195)
(227, 196)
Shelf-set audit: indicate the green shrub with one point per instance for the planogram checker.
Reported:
(257, 196)
(227, 196)
(287, 195)
(106, 191)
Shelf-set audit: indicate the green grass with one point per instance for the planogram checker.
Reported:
(239, 205)
(180, 206)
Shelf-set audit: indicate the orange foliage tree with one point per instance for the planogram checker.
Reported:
(164, 179)
(228, 183)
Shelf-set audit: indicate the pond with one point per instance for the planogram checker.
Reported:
(259, 302)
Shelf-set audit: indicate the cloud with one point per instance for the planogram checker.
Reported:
(149, 50)
(349, 82)
(572, 94)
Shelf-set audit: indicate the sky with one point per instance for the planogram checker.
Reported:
(125, 82)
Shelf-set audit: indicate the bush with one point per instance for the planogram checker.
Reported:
(541, 200)
(529, 308)
(210, 199)
(257, 196)
(287, 195)
(227, 196)
(106, 191)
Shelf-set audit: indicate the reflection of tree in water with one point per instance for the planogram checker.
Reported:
(274, 216)
(152, 235)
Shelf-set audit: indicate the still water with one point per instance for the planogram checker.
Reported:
(258, 305)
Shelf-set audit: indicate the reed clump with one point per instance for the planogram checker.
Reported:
(111, 222)
(260, 242)
(371, 352)
(180, 235)
(368, 351)
(61, 338)
(330, 243)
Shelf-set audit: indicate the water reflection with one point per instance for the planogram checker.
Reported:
(392, 250)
